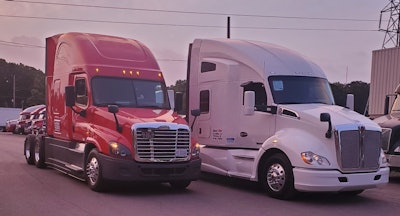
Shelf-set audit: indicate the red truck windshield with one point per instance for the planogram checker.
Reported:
(129, 93)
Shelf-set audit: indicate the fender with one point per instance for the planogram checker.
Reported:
(101, 136)
(292, 146)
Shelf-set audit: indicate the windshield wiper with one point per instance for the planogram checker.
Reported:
(103, 104)
(150, 106)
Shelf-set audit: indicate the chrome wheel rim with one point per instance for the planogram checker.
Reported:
(27, 152)
(92, 170)
(276, 177)
(37, 149)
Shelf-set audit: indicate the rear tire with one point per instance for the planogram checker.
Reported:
(29, 149)
(276, 177)
(39, 152)
(180, 185)
(93, 172)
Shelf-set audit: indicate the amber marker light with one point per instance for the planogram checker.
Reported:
(97, 70)
(137, 73)
(131, 73)
(160, 74)
(124, 72)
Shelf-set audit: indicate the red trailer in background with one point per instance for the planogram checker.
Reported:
(37, 124)
(25, 116)
(34, 115)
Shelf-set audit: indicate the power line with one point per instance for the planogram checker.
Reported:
(23, 45)
(108, 21)
(199, 13)
(172, 60)
(15, 44)
(181, 25)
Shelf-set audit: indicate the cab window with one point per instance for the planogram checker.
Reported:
(81, 92)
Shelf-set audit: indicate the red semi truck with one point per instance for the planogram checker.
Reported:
(108, 115)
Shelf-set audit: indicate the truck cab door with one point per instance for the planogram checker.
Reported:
(79, 118)
(259, 125)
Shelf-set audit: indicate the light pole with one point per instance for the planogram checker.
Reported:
(14, 90)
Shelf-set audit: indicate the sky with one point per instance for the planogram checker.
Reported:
(337, 35)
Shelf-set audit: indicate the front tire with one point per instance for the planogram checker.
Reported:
(93, 172)
(276, 177)
(29, 149)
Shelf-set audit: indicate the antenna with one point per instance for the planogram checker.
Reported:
(392, 30)
(228, 33)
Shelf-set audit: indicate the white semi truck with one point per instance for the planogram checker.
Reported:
(267, 114)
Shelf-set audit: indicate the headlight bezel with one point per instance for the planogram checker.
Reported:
(311, 158)
(195, 150)
(118, 150)
(383, 160)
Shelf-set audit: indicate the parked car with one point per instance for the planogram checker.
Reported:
(10, 125)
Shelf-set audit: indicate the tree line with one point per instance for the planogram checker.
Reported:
(30, 88)
(29, 85)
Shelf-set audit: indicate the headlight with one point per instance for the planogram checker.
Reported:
(195, 150)
(314, 159)
(384, 162)
(118, 150)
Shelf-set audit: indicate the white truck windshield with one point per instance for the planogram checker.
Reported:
(300, 90)
(129, 93)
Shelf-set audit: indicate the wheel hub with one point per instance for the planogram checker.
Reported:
(37, 149)
(276, 177)
(27, 153)
(92, 170)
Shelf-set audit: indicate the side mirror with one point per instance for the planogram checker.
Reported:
(171, 99)
(249, 102)
(113, 109)
(195, 112)
(70, 100)
(69, 96)
(386, 105)
(178, 102)
(326, 117)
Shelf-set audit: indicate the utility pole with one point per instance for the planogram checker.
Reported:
(14, 90)
(392, 30)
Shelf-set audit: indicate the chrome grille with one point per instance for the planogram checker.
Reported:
(162, 145)
(358, 150)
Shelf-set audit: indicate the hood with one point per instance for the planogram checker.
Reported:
(388, 121)
(128, 116)
(339, 115)
(146, 115)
